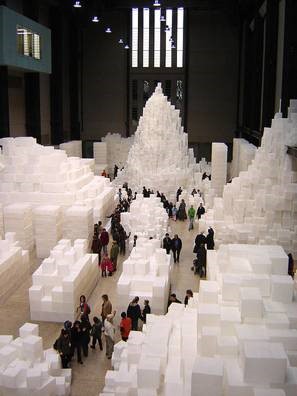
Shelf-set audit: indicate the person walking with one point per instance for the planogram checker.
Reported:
(146, 310)
(200, 211)
(210, 239)
(114, 252)
(191, 215)
(182, 215)
(125, 326)
(167, 243)
(109, 332)
(106, 266)
(106, 307)
(85, 334)
(104, 238)
(176, 247)
(96, 333)
(64, 348)
(134, 313)
(76, 340)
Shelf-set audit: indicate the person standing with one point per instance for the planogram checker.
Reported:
(96, 333)
(134, 313)
(96, 246)
(85, 334)
(191, 215)
(167, 242)
(106, 307)
(83, 307)
(176, 248)
(106, 266)
(125, 326)
(64, 348)
(189, 294)
(109, 332)
(76, 340)
(210, 239)
(115, 171)
(200, 211)
(178, 192)
(104, 238)
(174, 212)
(173, 299)
(182, 215)
(114, 252)
(146, 310)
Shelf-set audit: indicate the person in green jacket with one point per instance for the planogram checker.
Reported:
(191, 215)
(114, 252)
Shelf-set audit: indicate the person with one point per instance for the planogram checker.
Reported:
(85, 334)
(210, 239)
(182, 211)
(176, 247)
(194, 192)
(104, 238)
(170, 207)
(104, 174)
(109, 332)
(191, 215)
(120, 194)
(201, 261)
(204, 176)
(144, 192)
(179, 191)
(173, 299)
(134, 313)
(106, 266)
(134, 240)
(76, 340)
(96, 246)
(199, 240)
(189, 294)
(200, 211)
(167, 243)
(106, 307)
(96, 333)
(174, 212)
(125, 326)
(123, 238)
(64, 348)
(146, 310)
(115, 171)
(83, 307)
(290, 265)
(114, 252)
(100, 227)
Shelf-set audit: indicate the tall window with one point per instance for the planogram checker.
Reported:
(168, 20)
(180, 37)
(146, 36)
(157, 38)
(134, 37)
(28, 43)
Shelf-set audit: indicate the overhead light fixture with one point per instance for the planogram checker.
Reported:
(121, 41)
(77, 4)
(157, 3)
(163, 19)
(126, 46)
(95, 19)
(108, 30)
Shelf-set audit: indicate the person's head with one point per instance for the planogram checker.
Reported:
(123, 315)
(104, 297)
(172, 297)
(120, 189)
(200, 204)
(183, 201)
(82, 299)
(135, 237)
(167, 235)
(146, 302)
(175, 236)
(95, 319)
(189, 293)
(77, 324)
(136, 300)
(191, 206)
(104, 230)
(67, 325)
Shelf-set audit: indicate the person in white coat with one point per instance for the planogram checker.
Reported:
(109, 332)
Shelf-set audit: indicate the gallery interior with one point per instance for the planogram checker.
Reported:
(148, 197)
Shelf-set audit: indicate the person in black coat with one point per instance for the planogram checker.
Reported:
(96, 333)
(178, 192)
(200, 211)
(176, 247)
(189, 294)
(134, 313)
(210, 239)
(173, 299)
(76, 340)
(199, 240)
(64, 348)
(167, 242)
(201, 258)
(85, 337)
(146, 310)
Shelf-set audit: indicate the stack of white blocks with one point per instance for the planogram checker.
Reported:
(218, 167)
(18, 218)
(117, 150)
(1, 221)
(66, 274)
(14, 263)
(236, 337)
(243, 154)
(78, 222)
(146, 274)
(146, 218)
(260, 206)
(100, 156)
(48, 222)
(26, 369)
(72, 148)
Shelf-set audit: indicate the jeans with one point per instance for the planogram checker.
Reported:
(191, 224)
(176, 254)
(95, 339)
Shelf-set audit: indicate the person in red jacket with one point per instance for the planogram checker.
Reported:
(106, 266)
(104, 238)
(125, 326)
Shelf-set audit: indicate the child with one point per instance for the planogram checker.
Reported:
(96, 333)
(106, 266)
(125, 326)
(174, 212)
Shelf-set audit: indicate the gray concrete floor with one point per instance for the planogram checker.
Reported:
(88, 379)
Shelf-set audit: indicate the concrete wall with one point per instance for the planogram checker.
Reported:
(104, 78)
(212, 81)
